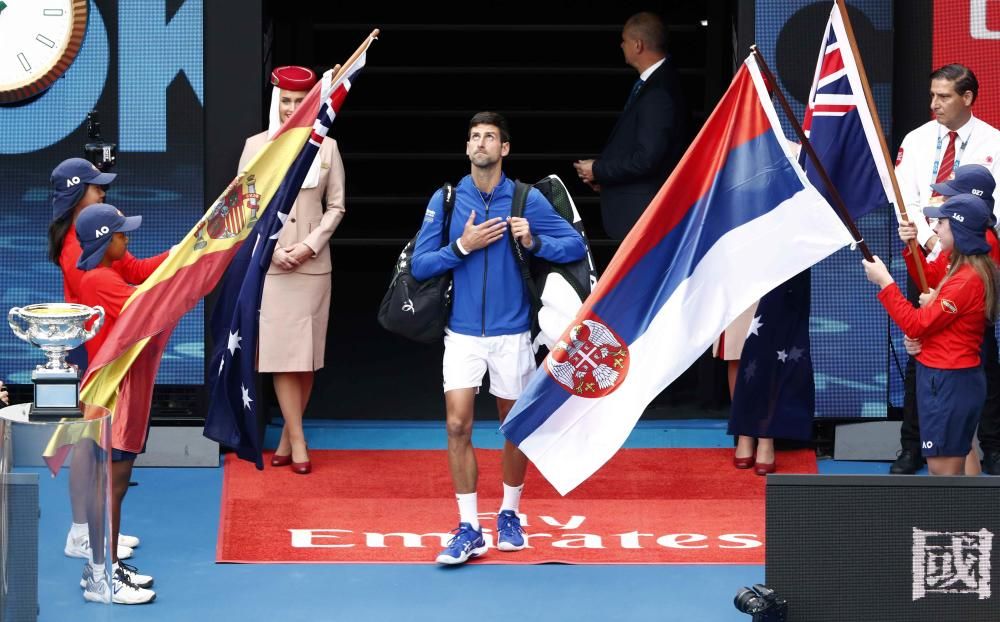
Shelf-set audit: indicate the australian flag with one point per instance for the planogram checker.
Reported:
(233, 419)
(775, 393)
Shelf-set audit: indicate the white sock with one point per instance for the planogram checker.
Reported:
(468, 509)
(78, 529)
(511, 497)
(97, 569)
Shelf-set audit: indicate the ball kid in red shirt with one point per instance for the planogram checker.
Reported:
(76, 184)
(951, 385)
(977, 180)
(101, 229)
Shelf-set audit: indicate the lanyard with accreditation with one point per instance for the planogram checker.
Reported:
(958, 154)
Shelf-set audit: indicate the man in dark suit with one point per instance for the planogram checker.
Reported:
(650, 135)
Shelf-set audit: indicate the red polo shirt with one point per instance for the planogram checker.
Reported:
(131, 269)
(950, 328)
(107, 288)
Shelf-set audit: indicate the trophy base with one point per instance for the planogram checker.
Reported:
(36, 414)
(57, 395)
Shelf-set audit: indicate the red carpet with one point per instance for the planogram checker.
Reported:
(646, 506)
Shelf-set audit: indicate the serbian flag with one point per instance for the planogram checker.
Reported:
(121, 377)
(736, 218)
(233, 419)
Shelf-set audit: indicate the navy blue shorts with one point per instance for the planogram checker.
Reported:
(120, 455)
(949, 402)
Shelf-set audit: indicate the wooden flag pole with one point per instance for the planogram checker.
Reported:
(903, 216)
(838, 203)
(339, 69)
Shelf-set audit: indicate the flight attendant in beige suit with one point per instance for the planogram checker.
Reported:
(295, 305)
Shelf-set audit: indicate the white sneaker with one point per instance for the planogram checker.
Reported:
(129, 541)
(95, 587)
(139, 580)
(79, 546)
(125, 592)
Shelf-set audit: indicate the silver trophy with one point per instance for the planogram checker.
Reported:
(56, 328)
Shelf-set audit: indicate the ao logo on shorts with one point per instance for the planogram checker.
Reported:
(927, 444)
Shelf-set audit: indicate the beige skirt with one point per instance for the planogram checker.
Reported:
(294, 311)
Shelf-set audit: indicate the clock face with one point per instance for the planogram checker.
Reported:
(38, 41)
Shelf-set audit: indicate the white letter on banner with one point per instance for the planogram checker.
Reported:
(410, 540)
(151, 52)
(580, 541)
(741, 540)
(977, 21)
(679, 540)
(630, 540)
(573, 522)
(305, 538)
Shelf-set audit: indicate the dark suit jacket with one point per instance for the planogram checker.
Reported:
(648, 140)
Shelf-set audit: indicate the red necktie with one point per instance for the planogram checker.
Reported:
(947, 162)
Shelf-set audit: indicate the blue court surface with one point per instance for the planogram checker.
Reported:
(176, 513)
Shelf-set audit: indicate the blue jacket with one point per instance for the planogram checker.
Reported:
(489, 297)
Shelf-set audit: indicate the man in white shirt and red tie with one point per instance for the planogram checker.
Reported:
(929, 155)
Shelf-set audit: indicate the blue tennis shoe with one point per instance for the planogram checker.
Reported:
(463, 546)
(510, 536)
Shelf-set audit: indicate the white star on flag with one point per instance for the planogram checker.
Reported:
(234, 342)
(755, 325)
(246, 397)
(782, 355)
(282, 217)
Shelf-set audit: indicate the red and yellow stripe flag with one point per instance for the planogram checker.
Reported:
(120, 378)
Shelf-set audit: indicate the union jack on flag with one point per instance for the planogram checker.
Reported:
(831, 93)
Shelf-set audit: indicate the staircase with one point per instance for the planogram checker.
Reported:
(554, 70)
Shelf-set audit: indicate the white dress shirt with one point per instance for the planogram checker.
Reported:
(649, 70)
(977, 143)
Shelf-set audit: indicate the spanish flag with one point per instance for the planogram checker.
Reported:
(120, 379)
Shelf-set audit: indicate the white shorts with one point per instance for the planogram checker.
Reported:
(507, 357)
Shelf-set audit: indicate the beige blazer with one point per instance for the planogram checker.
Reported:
(308, 222)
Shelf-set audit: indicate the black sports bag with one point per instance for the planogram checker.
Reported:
(419, 310)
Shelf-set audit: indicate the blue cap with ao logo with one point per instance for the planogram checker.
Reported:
(69, 181)
(95, 227)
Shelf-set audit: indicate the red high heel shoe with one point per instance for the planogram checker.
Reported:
(763, 468)
(281, 461)
(302, 468)
(743, 463)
